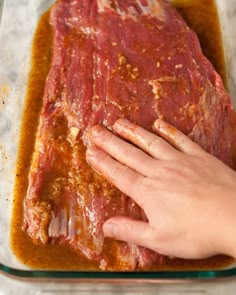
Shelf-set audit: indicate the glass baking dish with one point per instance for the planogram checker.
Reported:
(18, 19)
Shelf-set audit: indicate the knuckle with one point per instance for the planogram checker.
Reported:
(102, 157)
(118, 170)
(125, 230)
(147, 186)
(196, 149)
(139, 131)
(203, 154)
(181, 140)
(155, 241)
(171, 170)
(154, 171)
(153, 143)
(131, 177)
(129, 151)
(145, 190)
(166, 169)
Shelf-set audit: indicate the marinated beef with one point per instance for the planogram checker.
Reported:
(134, 59)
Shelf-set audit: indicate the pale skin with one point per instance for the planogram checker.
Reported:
(189, 196)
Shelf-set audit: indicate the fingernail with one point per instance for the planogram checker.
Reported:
(97, 131)
(110, 229)
(159, 124)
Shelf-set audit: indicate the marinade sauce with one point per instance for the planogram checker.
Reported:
(202, 17)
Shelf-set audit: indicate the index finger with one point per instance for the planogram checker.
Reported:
(124, 178)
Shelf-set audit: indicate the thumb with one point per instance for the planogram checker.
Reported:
(129, 230)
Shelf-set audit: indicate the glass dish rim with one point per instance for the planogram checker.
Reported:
(154, 276)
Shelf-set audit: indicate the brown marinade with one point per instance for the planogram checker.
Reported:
(202, 16)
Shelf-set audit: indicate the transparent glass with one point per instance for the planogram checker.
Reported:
(18, 19)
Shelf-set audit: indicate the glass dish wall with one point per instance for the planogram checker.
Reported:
(18, 19)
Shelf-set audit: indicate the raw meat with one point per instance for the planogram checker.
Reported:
(112, 59)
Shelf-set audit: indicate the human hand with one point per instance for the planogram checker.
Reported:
(188, 196)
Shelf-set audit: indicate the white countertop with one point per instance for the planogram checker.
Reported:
(12, 287)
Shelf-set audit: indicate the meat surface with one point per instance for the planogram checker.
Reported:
(134, 59)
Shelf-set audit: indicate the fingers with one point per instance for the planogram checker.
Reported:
(147, 141)
(177, 138)
(124, 178)
(129, 230)
(123, 152)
